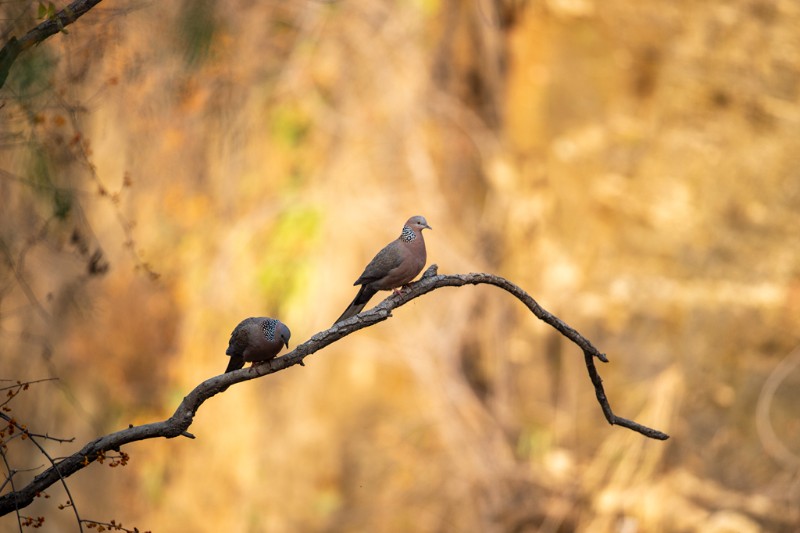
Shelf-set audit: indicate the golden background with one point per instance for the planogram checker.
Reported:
(635, 166)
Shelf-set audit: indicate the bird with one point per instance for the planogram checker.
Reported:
(396, 265)
(256, 339)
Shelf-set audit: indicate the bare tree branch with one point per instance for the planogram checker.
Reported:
(10, 479)
(14, 47)
(179, 422)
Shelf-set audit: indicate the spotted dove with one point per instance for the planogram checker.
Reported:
(397, 264)
(256, 339)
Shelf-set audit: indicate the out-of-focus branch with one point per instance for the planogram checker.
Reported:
(179, 422)
(14, 47)
(770, 441)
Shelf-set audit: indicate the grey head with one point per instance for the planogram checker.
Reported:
(276, 330)
(413, 226)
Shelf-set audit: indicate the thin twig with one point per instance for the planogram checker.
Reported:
(24, 431)
(182, 418)
(14, 47)
(10, 479)
(18, 383)
(32, 437)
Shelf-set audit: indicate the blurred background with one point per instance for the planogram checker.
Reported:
(170, 168)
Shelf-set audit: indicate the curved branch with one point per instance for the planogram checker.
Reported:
(14, 47)
(179, 422)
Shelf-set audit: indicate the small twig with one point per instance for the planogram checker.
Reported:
(25, 431)
(14, 47)
(110, 526)
(10, 479)
(182, 418)
(13, 392)
(18, 383)
(19, 386)
(60, 478)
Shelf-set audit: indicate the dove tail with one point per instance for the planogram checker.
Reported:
(235, 363)
(361, 300)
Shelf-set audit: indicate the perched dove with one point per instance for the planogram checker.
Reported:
(256, 339)
(397, 264)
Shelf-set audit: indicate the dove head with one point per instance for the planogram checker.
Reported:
(283, 334)
(418, 223)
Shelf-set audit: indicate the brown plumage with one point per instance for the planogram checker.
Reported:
(256, 339)
(396, 265)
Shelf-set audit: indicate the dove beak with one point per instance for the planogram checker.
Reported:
(427, 226)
